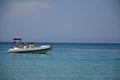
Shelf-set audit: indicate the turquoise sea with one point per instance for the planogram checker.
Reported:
(66, 61)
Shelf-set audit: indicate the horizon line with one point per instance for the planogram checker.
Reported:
(69, 42)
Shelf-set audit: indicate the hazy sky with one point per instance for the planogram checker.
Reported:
(60, 20)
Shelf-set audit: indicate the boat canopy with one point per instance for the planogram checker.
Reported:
(17, 39)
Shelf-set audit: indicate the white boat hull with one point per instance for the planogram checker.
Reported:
(42, 49)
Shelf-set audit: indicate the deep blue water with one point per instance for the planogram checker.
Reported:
(66, 61)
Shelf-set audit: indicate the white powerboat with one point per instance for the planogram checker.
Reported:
(28, 48)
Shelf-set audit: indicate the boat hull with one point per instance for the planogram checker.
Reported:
(42, 49)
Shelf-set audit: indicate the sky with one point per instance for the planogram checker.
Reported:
(83, 21)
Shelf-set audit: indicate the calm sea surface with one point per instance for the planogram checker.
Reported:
(66, 61)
